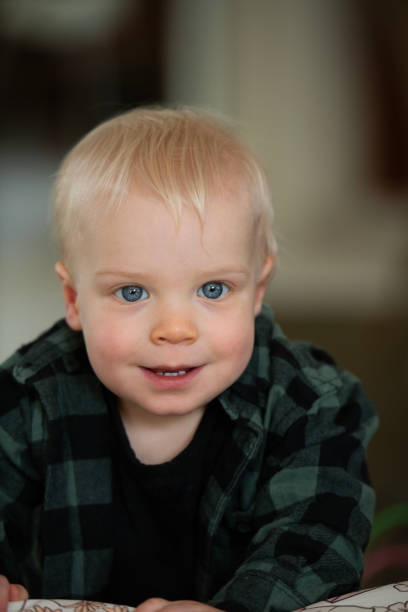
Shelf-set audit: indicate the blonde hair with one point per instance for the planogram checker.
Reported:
(181, 154)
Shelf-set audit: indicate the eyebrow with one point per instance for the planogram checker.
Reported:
(210, 272)
(118, 272)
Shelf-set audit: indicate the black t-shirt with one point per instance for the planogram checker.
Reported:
(156, 511)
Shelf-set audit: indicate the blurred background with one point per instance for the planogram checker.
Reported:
(318, 87)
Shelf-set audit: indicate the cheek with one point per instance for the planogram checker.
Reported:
(108, 351)
(106, 342)
(234, 339)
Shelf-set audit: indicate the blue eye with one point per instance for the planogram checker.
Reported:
(131, 293)
(213, 290)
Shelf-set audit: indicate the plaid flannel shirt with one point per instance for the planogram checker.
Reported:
(284, 517)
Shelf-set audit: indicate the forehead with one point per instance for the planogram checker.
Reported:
(144, 228)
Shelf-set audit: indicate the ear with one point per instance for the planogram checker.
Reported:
(70, 297)
(262, 283)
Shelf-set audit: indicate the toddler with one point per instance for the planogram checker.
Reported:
(166, 442)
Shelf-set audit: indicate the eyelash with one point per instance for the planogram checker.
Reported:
(138, 294)
(224, 289)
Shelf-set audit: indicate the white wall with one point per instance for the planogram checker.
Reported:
(288, 71)
(30, 298)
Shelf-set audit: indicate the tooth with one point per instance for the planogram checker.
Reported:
(179, 373)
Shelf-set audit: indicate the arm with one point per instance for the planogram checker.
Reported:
(313, 510)
(20, 488)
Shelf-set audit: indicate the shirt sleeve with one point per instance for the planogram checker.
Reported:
(314, 504)
(20, 484)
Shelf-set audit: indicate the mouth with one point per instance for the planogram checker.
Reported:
(171, 372)
(178, 373)
(171, 377)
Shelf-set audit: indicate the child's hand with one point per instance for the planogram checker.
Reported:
(10, 592)
(162, 605)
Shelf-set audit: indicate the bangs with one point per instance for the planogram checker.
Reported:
(181, 156)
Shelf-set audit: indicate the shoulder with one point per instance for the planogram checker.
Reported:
(43, 384)
(22, 415)
(57, 349)
(281, 361)
(276, 354)
(51, 380)
(29, 378)
(295, 381)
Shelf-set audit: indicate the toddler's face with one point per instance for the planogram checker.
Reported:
(168, 311)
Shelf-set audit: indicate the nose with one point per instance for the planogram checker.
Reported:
(174, 328)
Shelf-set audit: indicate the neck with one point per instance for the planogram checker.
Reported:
(156, 438)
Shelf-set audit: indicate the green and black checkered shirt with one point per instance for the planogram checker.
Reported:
(284, 517)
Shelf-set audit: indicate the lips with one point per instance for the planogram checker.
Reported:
(166, 377)
(171, 372)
